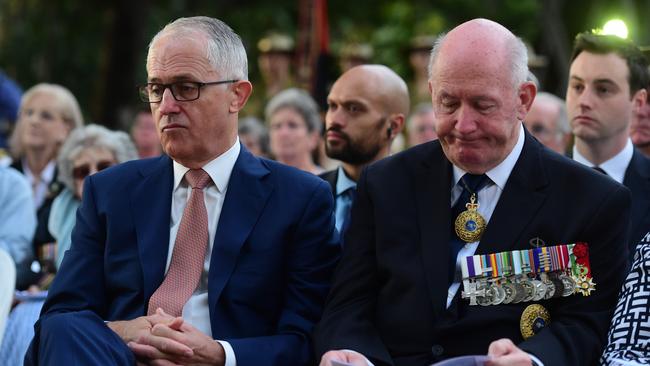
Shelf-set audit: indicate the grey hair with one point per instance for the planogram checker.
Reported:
(533, 79)
(517, 54)
(301, 102)
(95, 137)
(224, 48)
(562, 122)
(65, 103)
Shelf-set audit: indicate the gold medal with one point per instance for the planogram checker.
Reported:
(584, 285)
(469, 224)
(534, 318)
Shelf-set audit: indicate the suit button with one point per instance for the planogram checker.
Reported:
(437, 350)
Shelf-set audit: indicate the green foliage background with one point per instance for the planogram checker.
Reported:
(98, 48)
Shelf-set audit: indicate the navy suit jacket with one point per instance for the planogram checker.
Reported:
(273, 254)
(637, 179)
(388, 298)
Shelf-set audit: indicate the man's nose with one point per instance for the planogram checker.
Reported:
(334, 118)
(466, 120)
(168, 104)
(586, 98)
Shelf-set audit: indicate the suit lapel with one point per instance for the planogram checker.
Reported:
(433, 196)
(520, 200)
(637, 179)
(247, 194)
(151, 204)
(331, 177)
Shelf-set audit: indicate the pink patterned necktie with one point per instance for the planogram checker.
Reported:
(189, 251)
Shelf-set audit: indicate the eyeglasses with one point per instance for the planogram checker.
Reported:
(182, 91)
(82, 171)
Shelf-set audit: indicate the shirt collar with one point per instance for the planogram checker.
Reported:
(46, 175)
(343, 182)
(614, 167)
(500, 173)
(219, 169)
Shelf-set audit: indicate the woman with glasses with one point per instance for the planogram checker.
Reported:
(87, 151)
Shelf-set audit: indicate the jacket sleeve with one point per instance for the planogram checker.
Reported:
(350, 309)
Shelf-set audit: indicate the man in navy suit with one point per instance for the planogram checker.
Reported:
(396, 296)
(607, 85)
(270, 244)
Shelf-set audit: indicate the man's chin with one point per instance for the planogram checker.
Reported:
(335, 151)
(642, 143)
(474, 161)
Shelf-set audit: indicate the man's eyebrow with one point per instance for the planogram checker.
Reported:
(182, 77)
(444, 94)
(346, 101)
(601, 81)
(606, 81)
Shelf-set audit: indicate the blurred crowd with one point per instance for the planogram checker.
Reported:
(47, 149)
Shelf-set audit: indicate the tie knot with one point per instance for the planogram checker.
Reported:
(350, 193)
(197, 178)
(474, 182)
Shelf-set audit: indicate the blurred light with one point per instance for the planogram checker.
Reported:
(615, 27)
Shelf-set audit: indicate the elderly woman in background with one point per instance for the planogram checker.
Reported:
(47, 114)
(294, 129)
(86, 151)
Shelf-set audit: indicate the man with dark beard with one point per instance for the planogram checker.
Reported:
(367, 107)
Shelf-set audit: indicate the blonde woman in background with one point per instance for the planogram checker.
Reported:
(47, 114)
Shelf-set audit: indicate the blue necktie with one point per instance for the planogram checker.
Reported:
(471, 183)
(351, 194)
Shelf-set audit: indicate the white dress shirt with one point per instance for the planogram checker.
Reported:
(487, 199)
(196, 311)
(40, 183)
(614, 167)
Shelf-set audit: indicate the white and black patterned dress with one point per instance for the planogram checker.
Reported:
(628, 341)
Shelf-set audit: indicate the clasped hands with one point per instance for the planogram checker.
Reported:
(163, 340)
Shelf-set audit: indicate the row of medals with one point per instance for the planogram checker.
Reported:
(486, 289)
(524, 289)
(469, 227)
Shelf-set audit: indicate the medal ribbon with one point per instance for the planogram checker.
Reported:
(507, 263)
(534, 260)
(516, 262)
(495, 266)
(525, 262)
